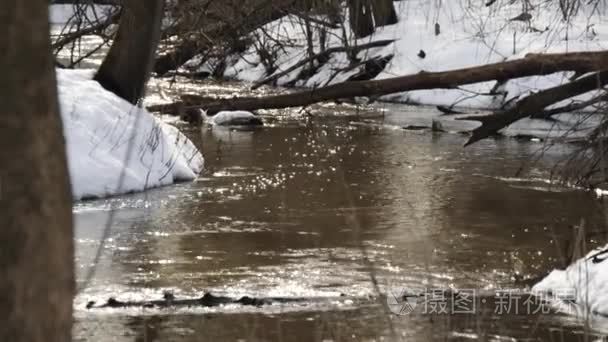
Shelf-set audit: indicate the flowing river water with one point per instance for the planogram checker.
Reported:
(338, 209)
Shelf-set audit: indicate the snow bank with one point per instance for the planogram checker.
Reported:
(471, 34)
(114, 147)
(582, 288)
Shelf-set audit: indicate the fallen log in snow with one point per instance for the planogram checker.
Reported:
(531, 65)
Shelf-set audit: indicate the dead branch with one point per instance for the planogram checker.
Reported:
(447, 110)
(321, 56)
(491, 124)
(531, 65)
(208, 300)
(73, 36)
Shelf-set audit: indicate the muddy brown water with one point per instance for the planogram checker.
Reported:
(341, 209)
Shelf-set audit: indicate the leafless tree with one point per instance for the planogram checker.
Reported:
(127, 66)
(36, 246)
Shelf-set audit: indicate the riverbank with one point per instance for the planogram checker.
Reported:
(451, 35)
(469, 35)
(427, 38)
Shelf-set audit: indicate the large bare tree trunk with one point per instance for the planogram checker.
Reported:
(360, 14)
(126, 68)
(384, 12)
(36, 246)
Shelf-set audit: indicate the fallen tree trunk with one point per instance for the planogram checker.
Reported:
(535, 103)
(531, 65)
(208, 300)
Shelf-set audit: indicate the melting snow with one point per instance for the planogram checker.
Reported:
(114, 147)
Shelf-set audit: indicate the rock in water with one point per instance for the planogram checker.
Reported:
(235, 118)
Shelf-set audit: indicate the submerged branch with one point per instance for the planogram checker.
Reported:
(207, 300)
(535, 103)
(572, 107)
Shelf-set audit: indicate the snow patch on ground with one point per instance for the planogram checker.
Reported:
(581, 288)
(114, 147)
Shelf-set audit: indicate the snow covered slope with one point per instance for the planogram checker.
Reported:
(582, 288)
(471, 34)
(114, 147)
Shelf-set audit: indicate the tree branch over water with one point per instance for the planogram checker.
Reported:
(535, 103)
(531, 65)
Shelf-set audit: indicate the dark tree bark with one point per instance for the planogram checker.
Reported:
(360, 14)
(36, 246)
(384, 12)
(176, 58)
(126, 68)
